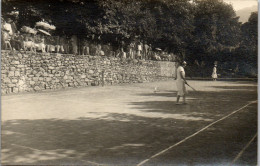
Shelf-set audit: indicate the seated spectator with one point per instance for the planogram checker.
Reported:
(124, 55)
(29, 42)
(92, 49)
(102, 53)
(51, 44)
(17, 41)
(13, 25)
(40, 44)
(57, 44)
(85, 48)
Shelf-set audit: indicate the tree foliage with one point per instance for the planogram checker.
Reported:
(202, 30)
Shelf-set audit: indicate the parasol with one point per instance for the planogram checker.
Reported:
(158, 49)
(28, 30)
(45, 25)
(44, 32)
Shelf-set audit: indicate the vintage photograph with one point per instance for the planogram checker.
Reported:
(129, 82)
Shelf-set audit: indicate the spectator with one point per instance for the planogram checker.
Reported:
(7, 26)
(40, 43)
(91, 50)
(106, 49)
(13, 25)
(139, 50)
(57, 44)
(214, 73)
(149, 52)
(85, 49)
(131, 50)
(63, 44)
(98, 49)
(74, 44)
(146, 47)
(6, 38)
(16, 41)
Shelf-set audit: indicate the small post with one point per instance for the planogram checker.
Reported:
(103, 77)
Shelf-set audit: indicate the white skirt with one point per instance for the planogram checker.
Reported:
(214, 75)
(181, 87)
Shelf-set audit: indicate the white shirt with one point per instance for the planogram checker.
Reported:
(139, 47)
(179, 70)
(8, 27)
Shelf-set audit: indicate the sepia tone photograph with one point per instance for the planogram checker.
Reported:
(129, 82)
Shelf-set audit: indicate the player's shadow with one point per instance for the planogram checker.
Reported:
(160, 93)
(207, 104)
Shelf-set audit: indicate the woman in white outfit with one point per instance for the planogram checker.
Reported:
(214, 73)
(180, 82)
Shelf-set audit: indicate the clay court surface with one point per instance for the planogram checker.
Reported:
(129, 125)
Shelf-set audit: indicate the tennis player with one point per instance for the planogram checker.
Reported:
(180, 82)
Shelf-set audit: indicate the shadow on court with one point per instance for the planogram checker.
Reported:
(129, 138)
(119, 139)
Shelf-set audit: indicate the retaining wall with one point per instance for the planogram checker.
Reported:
(28, 71)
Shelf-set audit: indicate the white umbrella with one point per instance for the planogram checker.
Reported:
(28, 30)
(45, 25)
(44, 32)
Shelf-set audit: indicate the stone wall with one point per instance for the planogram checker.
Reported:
(25, 72)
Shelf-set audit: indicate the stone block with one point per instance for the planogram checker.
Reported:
(3, 71)
(48, 79)
(20, 66)
(9, 90)
(15, 62)
(10, 85)
(11, 74)
(83, 76)
(65, 77)
(45, 74)
(3, 91)
(15, 90)
(35, 78)
(7, 80)
(33, 72)
(14, 80)
(38, 74)
(71, 84)
(40, 78)
(12, 68)
(17, 73)
(32, 82)
(37, 88)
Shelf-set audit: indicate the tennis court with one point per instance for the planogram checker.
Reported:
(132, 125)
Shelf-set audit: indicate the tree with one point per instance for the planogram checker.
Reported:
(246, 54)
(217, 28)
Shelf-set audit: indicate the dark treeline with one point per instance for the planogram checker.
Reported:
(201, 32)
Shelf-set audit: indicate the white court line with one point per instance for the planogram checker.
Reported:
(90, 162)
(242, 151)
(185, 139)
